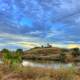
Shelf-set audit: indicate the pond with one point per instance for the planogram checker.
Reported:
(49, 64)
(55, 65)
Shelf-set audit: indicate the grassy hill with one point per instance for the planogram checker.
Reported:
(45, 53)
(52, 53)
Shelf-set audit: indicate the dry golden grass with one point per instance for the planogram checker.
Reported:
(28, 73)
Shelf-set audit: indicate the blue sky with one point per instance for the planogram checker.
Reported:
(29, 23)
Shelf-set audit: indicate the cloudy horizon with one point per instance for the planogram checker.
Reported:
(29, 23)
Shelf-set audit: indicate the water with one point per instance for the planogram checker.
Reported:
(54, 65)
(46, 65)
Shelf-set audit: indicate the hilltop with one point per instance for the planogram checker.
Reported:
(52, 53)
(49, 53)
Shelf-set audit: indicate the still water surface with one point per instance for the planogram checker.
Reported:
(55, 65)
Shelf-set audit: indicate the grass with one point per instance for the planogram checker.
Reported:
(29, 73)
(18, 72)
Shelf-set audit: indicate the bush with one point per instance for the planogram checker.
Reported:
(12, 58)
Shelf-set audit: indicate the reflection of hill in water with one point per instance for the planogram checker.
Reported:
(47, 65)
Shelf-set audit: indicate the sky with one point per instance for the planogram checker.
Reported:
(29, 23)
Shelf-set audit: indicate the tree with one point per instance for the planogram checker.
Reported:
(6, 56)
(12, 58)
(75, 52)
(19, 51)
(42, 46)
(18, 55)
(5, 50)
(48, 45)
